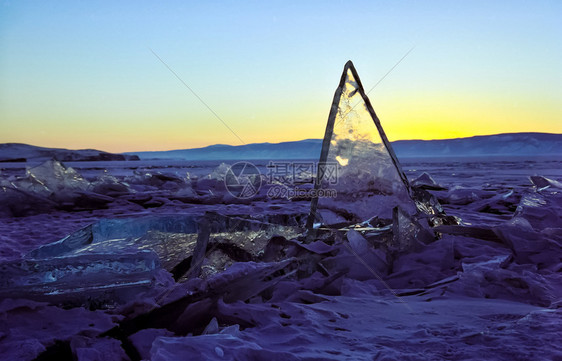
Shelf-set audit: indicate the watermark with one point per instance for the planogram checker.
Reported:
(243, 180)
(295, 173)
(285, 180)
(279, 191)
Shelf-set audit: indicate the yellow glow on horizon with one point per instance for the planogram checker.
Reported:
(409, 116)
(84, 75)
(448, 116)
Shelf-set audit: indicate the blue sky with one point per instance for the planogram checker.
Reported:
(82, 75)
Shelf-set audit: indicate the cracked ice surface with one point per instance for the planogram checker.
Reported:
(461, 297)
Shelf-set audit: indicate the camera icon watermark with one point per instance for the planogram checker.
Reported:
(243, 180)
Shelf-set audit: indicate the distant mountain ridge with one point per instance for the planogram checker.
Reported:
(516, 144)
(301, 149)
(507, 144)
(18, 152)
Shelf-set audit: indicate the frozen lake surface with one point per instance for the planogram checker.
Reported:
(492, 292)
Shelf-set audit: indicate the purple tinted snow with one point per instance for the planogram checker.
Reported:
(29, 327)
(501, 274)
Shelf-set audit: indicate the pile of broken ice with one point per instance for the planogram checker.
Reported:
(220, 287)
(160, 304)
(52, 186)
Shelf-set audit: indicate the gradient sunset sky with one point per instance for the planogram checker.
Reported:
(81, 74)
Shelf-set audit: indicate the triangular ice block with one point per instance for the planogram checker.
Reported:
(408, 234)
(359, 176)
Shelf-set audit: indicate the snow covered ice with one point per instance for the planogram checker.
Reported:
(417, 260)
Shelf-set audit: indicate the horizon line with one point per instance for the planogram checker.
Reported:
(286, 141)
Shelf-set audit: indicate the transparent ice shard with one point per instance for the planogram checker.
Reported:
(162, 234)
(31, 186)
(55, 176)
(357, 162)
(426, 181)
(112, 259)
(78, 278)
(110, 185)
(53, 185)
(186, 191)
(219, 173)
(172, 237)
(542, 183)
(408, 234)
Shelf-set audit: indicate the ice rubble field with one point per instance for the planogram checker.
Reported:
(488, 290)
